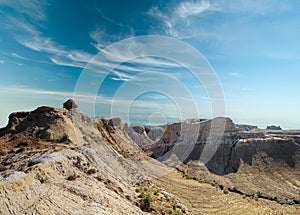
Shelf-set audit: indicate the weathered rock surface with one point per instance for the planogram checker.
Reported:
(249, 159)
(59, 161)
(145, 136)
(70, 104)
(246, 127)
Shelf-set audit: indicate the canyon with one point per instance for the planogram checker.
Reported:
(60, 161)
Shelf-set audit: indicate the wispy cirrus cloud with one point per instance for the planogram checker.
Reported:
(81, 98)
(28, 35)
(191, 8)
(58, 54)
(33, 9)
(19, 56)
(176, 21)
(40, 44)
(182, 20)
(103, 39)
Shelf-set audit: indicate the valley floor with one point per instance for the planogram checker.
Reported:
(203, 198)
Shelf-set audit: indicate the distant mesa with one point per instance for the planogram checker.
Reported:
(274, 127)
(247, 127)
(70, 104)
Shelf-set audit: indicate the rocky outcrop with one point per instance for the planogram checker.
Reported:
(274, 127)
(98, 168)
(237, 144)
(145, 136)
(188, 134)
(154, 132)
(259, 163)
(70, 104)
(59, 161)
(246, 127)
(46, 123)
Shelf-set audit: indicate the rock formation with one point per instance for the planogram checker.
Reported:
(70, 104)
(59, 161)
(246, 127)
(245, 152)
(274, 127)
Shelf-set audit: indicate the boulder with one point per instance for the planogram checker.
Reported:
(70, 104)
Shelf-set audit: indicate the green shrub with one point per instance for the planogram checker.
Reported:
(255, 196)
(225, 190)
(214, 184)
(201, 180)
(189, 177)
(147, 197)
(178, 213)
(42, 179)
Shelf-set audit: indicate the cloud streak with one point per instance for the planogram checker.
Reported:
(176, 22)
(33, 8)
(185, 9)
(84, 98)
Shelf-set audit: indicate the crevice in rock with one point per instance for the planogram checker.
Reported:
(227, 168)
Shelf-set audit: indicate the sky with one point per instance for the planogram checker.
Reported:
(252, 47)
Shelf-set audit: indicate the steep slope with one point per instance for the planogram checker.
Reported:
(249, 161)
(59, 161)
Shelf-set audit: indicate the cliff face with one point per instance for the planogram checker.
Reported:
(237, 144)
(59, 161)
(45, 123)
(248, 159)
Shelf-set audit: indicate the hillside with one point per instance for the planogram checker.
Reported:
(249, 161)
(60, 161)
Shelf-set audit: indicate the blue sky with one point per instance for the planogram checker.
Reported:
(253, 46)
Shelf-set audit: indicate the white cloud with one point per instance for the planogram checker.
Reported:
(58, 54)
(182, 20)
(33, 8)
(18, 26)
(175, 23)
(235, 74)
(64, 62)
(19, 56)
(98, 35)
(103, 39)
(84, 98)
(2, 61)
(16, 55)
(185, 9)
(40, 44)
(121, 76)
(168, 22)
(28, 36)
